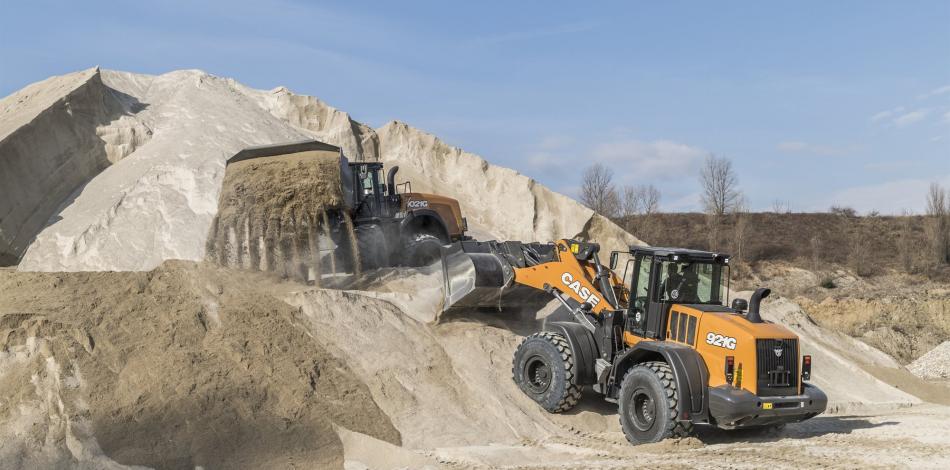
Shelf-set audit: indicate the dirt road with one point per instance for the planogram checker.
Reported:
(915, 437)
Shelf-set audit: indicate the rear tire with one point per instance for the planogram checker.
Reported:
(422, 249)
(648, 399)
(543, 367)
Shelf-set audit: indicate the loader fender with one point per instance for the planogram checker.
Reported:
(689, 370)
(582, 345)
(424, 221)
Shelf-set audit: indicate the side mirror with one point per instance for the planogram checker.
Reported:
(614, 255)
(740, 305)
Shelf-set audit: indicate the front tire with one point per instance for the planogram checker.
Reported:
(543, 367)
(422, 249)
(372, 247)
(648, 399)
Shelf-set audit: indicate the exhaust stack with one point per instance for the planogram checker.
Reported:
(391, 179)
(753, 315)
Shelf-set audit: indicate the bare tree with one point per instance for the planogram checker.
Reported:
(720, 186)
(907, 247)
(938, 226)
(740, 235)
(843, 211)
(936, 200)
(781, 207)
(630, 202)
(651, 200)
(640, 199)
(598, 191)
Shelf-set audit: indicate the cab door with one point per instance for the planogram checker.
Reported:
(647, 313)
(370, 197)
(638, 309)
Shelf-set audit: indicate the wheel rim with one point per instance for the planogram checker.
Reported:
(642, 410)
(537, 375)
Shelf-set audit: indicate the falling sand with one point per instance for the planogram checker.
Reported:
(284, 214)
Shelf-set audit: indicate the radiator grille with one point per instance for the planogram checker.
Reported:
(777, 366)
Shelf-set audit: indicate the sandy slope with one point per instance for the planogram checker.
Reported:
(152, 152)
(173, 368)
(172, 343)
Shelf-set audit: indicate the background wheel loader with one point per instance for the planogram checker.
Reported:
(391, 227)
(657, 340)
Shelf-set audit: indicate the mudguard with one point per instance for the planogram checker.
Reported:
(582, 345)
(425, 217)
(689, 370)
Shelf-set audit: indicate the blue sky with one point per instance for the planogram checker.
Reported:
(816, 103)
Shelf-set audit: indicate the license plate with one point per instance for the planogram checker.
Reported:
(766, 406)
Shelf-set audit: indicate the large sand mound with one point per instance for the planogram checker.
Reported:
(184, 366)
(149, 152)
(54, 136)
(500, 201)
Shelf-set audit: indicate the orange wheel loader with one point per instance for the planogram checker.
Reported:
(658, 339)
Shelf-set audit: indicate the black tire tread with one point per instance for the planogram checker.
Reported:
(675, 428)
(572, 394)
(413, 244)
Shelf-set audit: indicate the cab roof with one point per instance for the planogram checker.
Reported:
(683, 254)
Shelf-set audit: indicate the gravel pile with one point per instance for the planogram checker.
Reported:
(933, 365)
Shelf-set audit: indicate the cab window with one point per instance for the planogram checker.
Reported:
(641, 282)
(685, 282)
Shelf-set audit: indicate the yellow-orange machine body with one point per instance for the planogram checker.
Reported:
(661, 318)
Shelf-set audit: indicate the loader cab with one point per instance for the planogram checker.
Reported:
(659, 278)
(374, 199)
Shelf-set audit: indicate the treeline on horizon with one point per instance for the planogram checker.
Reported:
(868, 244)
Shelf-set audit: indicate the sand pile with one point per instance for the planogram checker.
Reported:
(278, 214)
(486, 192)
(151, 152)
(54, 136)
(324, 122)
(184, 366)
(159, 201)
(933, 365)
(905, 321)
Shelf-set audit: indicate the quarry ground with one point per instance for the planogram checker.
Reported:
(393, 388)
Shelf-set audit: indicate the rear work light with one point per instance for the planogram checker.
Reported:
(730, 369)
(806, 367)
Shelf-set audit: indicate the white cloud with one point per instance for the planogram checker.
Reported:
(555, 30)
(636, 160)
(912, 117)
(555, 142)
(663, 163)
(685, 203)
(936, 92)
(878, 117)
(792, 146)
(795, 146)
(889, 197)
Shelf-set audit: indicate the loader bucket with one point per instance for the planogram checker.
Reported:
(478, 280)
